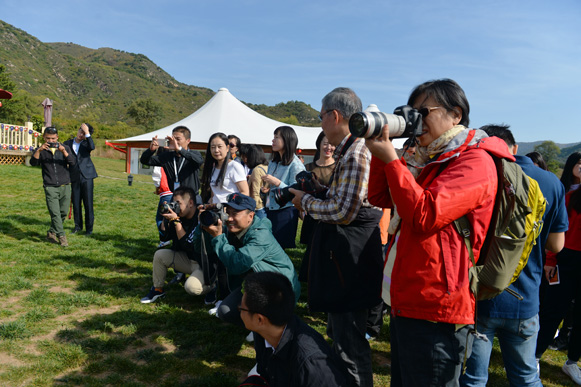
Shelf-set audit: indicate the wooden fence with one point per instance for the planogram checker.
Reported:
(17, 143)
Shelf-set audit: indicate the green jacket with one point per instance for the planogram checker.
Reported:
(258, 251)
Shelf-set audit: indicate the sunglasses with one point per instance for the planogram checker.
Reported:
(232, 145)
(425, 111)
(50, 130)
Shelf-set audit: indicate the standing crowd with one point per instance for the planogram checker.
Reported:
(224, 233)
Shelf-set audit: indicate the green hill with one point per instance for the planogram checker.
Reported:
(99, 86)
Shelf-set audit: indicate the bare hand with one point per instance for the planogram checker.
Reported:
(173, 144)
(297, 199)
(169, 215)
(550, 272)
(61, 148)
(273, 181)
(215, 229)
(381, 147)
(154, 144)
(85, 129)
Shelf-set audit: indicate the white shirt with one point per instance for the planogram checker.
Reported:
(234, 174)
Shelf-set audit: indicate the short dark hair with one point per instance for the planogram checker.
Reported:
(183, 191)
(291, 141)
(447, 93)
(50, 130)
(234, 137)
(501, 131)
(183, 130)
(344, 100)
(91, 130)
(255, 156)
(270, 294)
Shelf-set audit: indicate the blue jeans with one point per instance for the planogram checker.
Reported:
(261, 213)
(518, 341)
(158, 217)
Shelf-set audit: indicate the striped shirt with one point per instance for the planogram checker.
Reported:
(348, 191)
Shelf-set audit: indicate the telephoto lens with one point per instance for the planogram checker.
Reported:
(404, 122)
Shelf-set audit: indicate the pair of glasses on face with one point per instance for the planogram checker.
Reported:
(322, 115)
(425, 111)
(232, 145)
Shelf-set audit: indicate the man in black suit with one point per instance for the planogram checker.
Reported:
(82, 175)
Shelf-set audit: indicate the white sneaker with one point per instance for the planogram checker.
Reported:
(214, 310)
(250, 337)
(573, 371)
(538, 367)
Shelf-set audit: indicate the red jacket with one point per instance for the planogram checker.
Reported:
(572, 235)
(430, 273)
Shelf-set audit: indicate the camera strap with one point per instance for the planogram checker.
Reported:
(344, 149)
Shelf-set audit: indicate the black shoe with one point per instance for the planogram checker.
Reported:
(88, 233)
(211, 298)
(179, 277)
(76, 230)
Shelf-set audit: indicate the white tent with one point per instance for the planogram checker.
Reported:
(225, 113)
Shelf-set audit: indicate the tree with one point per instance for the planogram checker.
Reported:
(145, 112)
(550, 152)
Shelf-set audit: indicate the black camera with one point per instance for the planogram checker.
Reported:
(211, 214)
(404, 122)
(304, 183)
(53, 145)
(173, 206)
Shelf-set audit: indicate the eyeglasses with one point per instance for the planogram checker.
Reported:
(240, 309)
(427, 110)
(323, 114)
(232, 145)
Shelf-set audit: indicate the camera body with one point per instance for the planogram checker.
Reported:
(404, 122)
(173, 206)
(212, 213)
(304, 183)
(53, 145)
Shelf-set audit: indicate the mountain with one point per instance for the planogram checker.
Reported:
(99, 85)
(566, 149)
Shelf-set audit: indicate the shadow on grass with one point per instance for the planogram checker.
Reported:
(165, 345)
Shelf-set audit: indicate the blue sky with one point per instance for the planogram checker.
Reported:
(518, 62)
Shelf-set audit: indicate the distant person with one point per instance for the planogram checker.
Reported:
(82, 175)
(515, 322)
(288, 352)
(234, 147)
(180, 163)
(282, 171)
(256, 161)
(538, 160)
(55, 159)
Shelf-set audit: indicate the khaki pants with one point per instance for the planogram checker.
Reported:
(165, 258)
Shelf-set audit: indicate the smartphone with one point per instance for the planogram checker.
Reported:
(555, 279)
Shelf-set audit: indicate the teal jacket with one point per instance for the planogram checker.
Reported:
(257, 251)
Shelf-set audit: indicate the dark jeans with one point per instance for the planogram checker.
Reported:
(228, 310)
(347, 330)
(428, 353)
(82, 197)
(555, 305)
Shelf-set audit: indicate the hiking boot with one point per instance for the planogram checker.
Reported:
(572, 370)
(152, 296)
(51, 237)
(63, 241)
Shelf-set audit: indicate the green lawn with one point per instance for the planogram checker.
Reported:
(72, 316)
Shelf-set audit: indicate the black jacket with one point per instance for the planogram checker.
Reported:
(188, 173)
(84, 166)
(54, 167)
(302, 359)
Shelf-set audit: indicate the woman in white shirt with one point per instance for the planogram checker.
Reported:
(221, 176)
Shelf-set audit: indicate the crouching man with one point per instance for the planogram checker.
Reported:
(244, 246)
(178, 225)
(288, 351)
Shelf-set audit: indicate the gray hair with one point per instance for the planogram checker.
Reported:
(344, 100)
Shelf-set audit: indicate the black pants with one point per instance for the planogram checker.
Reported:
(555, 305)
(82, 192)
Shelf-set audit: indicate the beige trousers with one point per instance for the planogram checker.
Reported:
(165, 258)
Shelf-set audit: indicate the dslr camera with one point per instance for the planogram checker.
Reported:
(53, 145)
(212, 213)
(173, 206)
(404, 122)
(304, 183)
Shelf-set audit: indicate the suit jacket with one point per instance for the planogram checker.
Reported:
(84, 166)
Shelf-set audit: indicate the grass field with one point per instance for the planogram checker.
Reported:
(72, 316)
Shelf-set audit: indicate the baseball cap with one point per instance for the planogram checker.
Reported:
(239, 202)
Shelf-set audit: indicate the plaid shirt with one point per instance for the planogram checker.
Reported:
(348, 191)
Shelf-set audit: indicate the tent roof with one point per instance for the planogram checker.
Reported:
(225, 113)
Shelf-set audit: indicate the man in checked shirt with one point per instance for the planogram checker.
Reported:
(346, 263)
